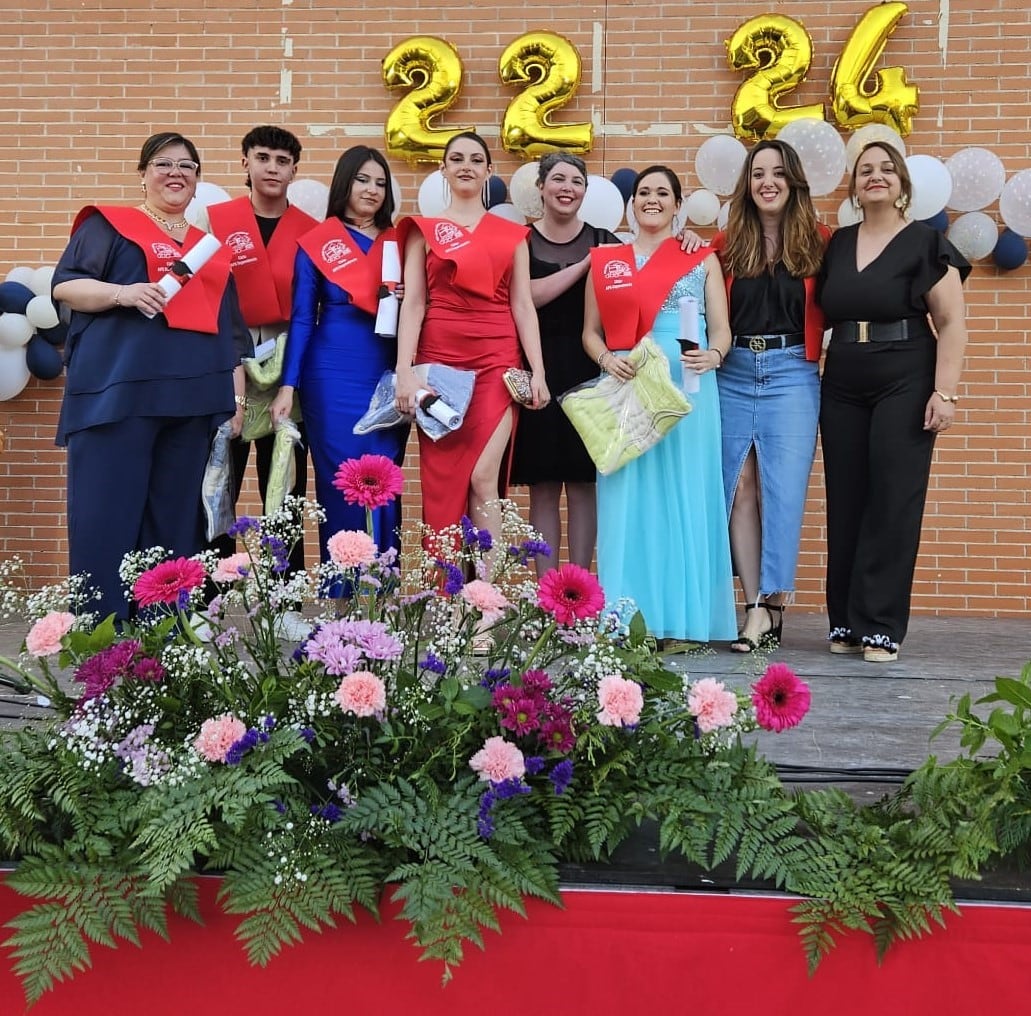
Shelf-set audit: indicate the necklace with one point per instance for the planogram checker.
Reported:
(167, 223)
(367, 224)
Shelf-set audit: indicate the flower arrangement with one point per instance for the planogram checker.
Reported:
(452, 733)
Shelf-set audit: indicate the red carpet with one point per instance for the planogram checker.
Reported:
(606, 952)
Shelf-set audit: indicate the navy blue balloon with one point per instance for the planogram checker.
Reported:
(1010, 250)
(14, 297)
(56, 335)
(939, 222)
(497, 191)
(42, 359)
(624, 180)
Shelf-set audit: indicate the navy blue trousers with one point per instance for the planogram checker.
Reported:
(132, 485)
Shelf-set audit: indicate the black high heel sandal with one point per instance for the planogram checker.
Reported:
(743, 644)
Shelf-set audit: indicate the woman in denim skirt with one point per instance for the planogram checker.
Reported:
(769, 385)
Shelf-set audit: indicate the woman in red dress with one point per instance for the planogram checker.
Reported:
(467, 304)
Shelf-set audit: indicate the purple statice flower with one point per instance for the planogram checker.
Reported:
(453, 577)
(561, 775)
(484, 819)
(434, 664)
(269, 722)
(476, 538)
(244, 524)
(249, 741)
(142, 761)
(330, 812)
(529, 549)
(492, 678)
(510, 788)
(279, 806)
(534, 764)
(228, 637)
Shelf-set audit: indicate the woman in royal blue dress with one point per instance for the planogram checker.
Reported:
(333, 357)
(662, 523)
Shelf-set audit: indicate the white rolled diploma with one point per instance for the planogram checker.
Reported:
(438, 409)
(688, 308)
(194, 259)
(390, 276)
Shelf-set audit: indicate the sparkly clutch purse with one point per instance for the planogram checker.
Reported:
(517, 381)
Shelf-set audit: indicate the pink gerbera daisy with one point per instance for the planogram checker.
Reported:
(781, 700)
(371, 481)
(168, 582)
(570, 593)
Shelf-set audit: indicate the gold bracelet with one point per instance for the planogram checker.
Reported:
(118, 293)
(954, 399)
(240, 400)
(602, 355)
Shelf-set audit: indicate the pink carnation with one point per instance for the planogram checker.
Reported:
(371, 481)
(44, 637)
(217, 736)
(361, 693)
(711, 704)
(232, 568)
(486, 598)
(781, 700)
(350, 548)
(621, 701)
(498, 760)
(570, 593)
(169, 582)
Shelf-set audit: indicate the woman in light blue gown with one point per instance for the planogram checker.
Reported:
(662, 521)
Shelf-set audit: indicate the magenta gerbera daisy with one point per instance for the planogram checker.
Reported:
(168, 581)
(370, 481)
(570, 593)
(780, 698)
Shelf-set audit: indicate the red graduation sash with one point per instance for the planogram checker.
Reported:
(481, 256)
(336, 254)
(628, 299)
(264, 276)
(195, 308)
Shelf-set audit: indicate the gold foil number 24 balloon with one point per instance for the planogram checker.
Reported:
(780, 50)
(546, 64)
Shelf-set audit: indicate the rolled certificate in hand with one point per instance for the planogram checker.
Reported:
(688, 339)
(437, 408)
(189, 264)
(390, 276)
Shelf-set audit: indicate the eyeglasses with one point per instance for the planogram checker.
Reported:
(185, 166)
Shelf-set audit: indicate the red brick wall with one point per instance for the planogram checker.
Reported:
(86, 81)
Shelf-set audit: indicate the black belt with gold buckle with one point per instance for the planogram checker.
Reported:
(880, 331)
(761, 343)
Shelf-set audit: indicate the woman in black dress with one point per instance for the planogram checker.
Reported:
(548, 452)
(889, 388)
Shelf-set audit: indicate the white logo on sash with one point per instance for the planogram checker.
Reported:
(447, 232)
(240, 242)
(335, 250)
(617, 270)
(165, 250)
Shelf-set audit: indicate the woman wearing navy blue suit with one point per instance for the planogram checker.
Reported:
(149, 380)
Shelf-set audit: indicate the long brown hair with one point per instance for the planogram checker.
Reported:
(801, 243)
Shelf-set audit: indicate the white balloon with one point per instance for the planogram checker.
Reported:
(978, 177)
(821, 151)
(21, 274)
(724, 217)
(395, 193)
(41, 280)
(932, 186)
(974, 235)
(1015, 203)
(15, 330)
(432, 199)
(14, 374)
(702, 207)
(603, 203)
(718, 163)
(848, 214)
(310, 196)
(872, 132)
(523, 191)
(206, 194)
(509, 212)
(631, 219)
(41, 312)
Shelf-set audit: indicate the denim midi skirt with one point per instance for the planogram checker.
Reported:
(771, 400)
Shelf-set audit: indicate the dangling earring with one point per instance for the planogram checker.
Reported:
(445, 190)
(901, 203)
(485, 195)
(676, 225)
